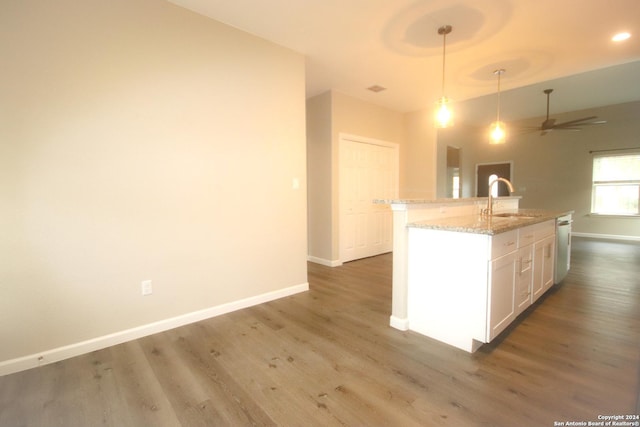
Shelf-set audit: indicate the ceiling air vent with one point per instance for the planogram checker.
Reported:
(376, 88)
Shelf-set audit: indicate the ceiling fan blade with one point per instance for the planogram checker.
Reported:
(576, 121)
(529, 127)
(546, 131)
(578, 125)
(524, 131)
(599, 122)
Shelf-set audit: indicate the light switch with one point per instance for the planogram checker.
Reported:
(147, 287)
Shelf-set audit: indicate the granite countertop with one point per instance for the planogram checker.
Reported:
(480, 224)
(439, 201)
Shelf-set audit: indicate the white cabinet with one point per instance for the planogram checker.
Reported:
(465, 288)
(543, 258)
(544, 253)
(501, 282)
(548, 253)
(523, 278)
(501, 310)
(536, 245)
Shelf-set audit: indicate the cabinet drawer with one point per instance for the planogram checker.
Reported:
(545, 229)
(503, 243)
(526, 235)
(532, 233)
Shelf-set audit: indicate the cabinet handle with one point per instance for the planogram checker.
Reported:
(510, 244)
(521, 265)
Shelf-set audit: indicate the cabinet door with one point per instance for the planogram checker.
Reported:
(537, 285)
(548, 251)
(543, 256)
(523, 278)
(501, 294)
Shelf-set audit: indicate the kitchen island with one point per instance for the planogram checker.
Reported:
(406, 211)
(441, 245)
(469, 277)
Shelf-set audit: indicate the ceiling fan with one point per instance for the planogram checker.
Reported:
(574, 125)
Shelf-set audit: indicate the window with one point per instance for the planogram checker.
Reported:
(616, 185)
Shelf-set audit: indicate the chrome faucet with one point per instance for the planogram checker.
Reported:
(489, 210)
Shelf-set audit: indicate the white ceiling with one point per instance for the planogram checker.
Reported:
(353, 44)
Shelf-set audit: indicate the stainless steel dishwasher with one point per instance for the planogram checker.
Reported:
(563, 247)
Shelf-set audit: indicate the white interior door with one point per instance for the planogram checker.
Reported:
(368, 170)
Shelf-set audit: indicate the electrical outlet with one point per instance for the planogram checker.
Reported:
(147, 287)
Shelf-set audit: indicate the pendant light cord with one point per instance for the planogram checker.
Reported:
(444, 30)
(499, 73)
(444, 55)
(498, 114)
(444, 115)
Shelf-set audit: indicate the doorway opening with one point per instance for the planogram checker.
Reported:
(453, 172)
(487, 172)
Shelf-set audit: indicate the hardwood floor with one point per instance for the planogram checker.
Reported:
(328, 357)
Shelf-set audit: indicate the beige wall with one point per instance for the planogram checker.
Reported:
(329, 115)
(356, 117)
(418, 159)
(553, 171)
(319, 180)
(141, 141)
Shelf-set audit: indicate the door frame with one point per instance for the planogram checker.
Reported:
(342, 138)
(510, 178)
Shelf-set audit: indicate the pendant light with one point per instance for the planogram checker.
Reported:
(444, 112)
(497, 130)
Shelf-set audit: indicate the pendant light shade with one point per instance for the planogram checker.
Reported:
(498, 130)
(498, 133)
(444, 112)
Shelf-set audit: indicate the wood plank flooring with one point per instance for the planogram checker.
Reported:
(329, 358)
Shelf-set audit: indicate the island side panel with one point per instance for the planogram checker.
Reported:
(447, 286)
(408, 211)
(403, 215)
(399, 319)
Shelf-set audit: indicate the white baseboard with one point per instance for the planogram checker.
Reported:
(77, 349)
(398, 323)
(322, 261)
(606, 236)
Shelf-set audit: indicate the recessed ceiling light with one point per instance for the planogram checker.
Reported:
(620, 37)
(376, 88)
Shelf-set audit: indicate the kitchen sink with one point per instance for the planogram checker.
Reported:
(514, 215)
